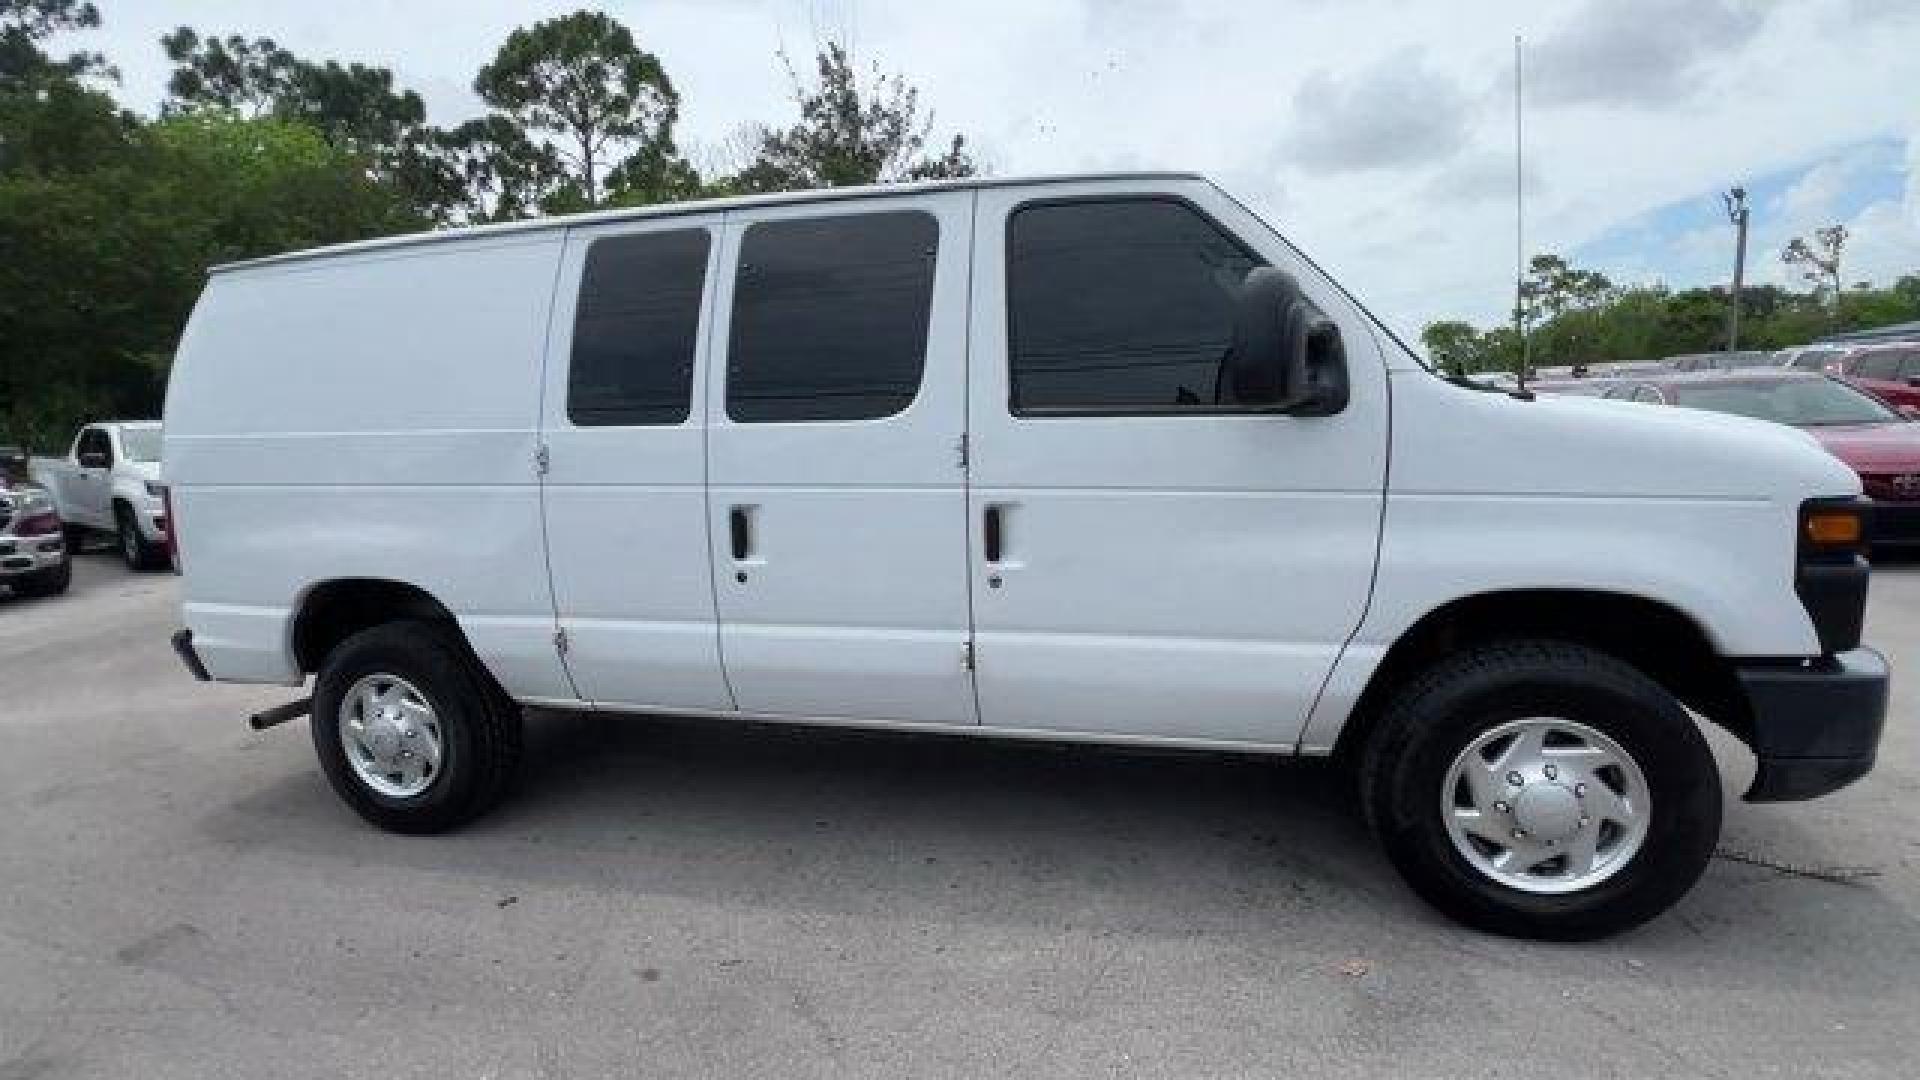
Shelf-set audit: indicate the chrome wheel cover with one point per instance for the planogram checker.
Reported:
(1545, 805)
(391, 735)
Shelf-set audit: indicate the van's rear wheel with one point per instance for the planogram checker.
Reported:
(1542, 789)
(411, 731)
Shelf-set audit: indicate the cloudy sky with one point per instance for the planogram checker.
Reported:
(1377, 134)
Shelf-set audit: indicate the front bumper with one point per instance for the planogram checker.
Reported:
(30, 554)
(1895, 524)
(1816, 726)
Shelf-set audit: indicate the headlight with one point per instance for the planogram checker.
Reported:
(155, 490)
(34, 500)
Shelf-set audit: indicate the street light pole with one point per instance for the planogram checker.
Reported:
(1736, 201)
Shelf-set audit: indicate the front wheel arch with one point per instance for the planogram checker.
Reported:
(1660, 641)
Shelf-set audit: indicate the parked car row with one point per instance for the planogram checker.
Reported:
(108, 484)
(1892, 364)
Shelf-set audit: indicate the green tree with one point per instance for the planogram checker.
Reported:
(24, 24)
(253, 77)
(1819, 261)
(1452, 344)
(583, 91)
(62, 126)
(491, 171)
(1557, 298)
(849, 134)
(356, 107)
(1908, 289)
(104, 264)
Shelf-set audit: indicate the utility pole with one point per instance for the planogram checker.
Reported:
(1736, 201)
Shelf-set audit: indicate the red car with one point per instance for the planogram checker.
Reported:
(1891, 371)
(1880, 443)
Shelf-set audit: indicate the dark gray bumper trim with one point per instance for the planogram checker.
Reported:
(1816, 727)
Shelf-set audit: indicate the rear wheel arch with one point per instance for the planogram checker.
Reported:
(1664, 643)
(334, 610)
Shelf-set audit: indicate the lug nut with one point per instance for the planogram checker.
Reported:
(1580, 791)
(1519, 834)
(1550, 771)
(1516, 779)
(1501, 808)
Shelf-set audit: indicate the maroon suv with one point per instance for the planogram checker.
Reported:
(1880, 444)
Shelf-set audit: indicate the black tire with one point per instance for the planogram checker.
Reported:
(480, 725)
(75, 537)
(140, 554)
(1404, 767)
(49, 582)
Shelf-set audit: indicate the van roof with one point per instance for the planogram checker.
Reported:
(694, 206)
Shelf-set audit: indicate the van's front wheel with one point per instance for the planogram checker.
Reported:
(1542, 789)
(411, 732)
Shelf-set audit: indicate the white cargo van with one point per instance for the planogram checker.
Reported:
(1096, 458)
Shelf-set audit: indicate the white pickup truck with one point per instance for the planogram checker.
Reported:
(1095, 459)
(109, 482)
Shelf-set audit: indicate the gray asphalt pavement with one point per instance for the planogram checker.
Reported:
(180, 897)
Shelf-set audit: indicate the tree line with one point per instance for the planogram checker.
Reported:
(109, 220)
(1574, 316)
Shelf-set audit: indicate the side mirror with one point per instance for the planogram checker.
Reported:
(1287, 356)
(93, 459)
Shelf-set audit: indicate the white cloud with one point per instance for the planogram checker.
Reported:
(1396, 113)
(1883, 240)
(1640, 52)
(1815, 196)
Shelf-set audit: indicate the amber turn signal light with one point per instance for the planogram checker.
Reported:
(1833, 528)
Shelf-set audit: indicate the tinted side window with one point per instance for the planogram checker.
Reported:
(635, 329)
(830, 317)
(1876, 366)
(95, 441)
(1119, 306)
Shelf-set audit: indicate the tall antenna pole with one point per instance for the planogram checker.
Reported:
(1736, 201)
(1519, 224)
